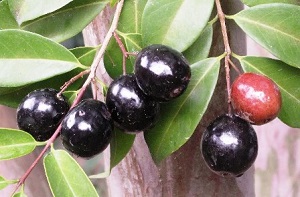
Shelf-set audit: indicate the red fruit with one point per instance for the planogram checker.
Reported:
(255, 98)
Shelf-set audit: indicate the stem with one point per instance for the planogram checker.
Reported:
(124, 52)
(227, 51)
(81, 92)
(234, 67)
(72, 80)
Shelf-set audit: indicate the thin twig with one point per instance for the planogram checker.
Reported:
(221, 16)
(234, 67)
(81, 92)
(124, 51)
(72, 80)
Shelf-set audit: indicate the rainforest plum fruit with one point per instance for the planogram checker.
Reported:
(130, 108)
(255, 98)
(87, 129)
(162, 72)
(40, 113)
(229, 145)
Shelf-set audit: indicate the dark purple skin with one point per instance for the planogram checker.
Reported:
(40, 113)
(87, 128)
(229, 145)
(130, 108)
(162, 72)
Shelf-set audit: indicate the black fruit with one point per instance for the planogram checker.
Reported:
(130, 108)
(229, 145)
(162, 72)
(87, 129)
(40, 112)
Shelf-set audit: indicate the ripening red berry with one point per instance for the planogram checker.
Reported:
(255, 98)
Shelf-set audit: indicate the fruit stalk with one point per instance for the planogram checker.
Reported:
(91, 76)
(221, 16)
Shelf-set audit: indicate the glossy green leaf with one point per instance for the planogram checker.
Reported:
(25, 10)
(179, 118)
(113, 3)
(71, 95)
(4, 183)
(67, 21)
(175, 23)
(119, 146)
(133, 44)
(131, 16)
(286, 77)
(129, 31)
(66, 177)
(275, 27)
(257, 2)
(15, 143)
(199, 50)
(38, 58)
(113, 60)
(11, 97)
(101, 175)
(7, 20)
(85, 55)
(20, 194)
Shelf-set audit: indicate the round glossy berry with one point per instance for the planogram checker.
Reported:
(255, 98)
(40, 112)
(130, 108)
(162, 72)
(87, 129)
(229, 145)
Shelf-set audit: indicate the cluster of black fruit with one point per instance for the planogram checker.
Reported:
(229, 144)
(132, 102)
(86, 129)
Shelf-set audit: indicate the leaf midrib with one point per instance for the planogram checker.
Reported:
(17, 145)
(63, 174)
(267, 26)
(171, 24)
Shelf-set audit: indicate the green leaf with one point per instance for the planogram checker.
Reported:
(7, 20)
(133, 44)
(199, 50)
(15, 143)
(286, 77)
(85, 55)
(113, 3)
(179, 118)
(25, 10)
(131, 16)
(119, 146)
(101, 175)
(20, 194)
(71, 95)
(67, 21)
(175, 23)
(113, 60)
(129, 30)
(66, 177)
(275, 27)
(11, 97)
(257, 2)
(4, 183)
(37, 59)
